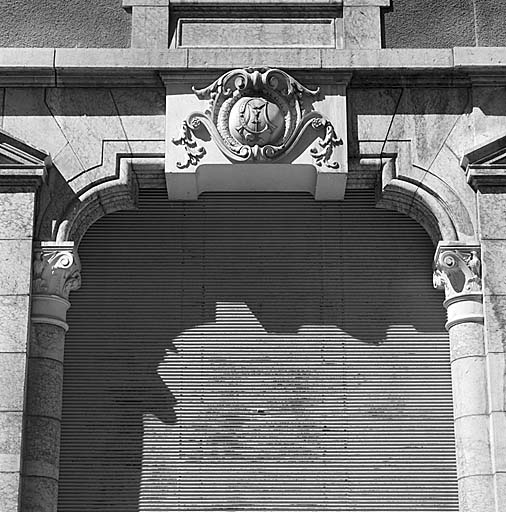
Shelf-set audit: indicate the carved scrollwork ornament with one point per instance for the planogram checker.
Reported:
(258, 115)
(458, 272)
(56, 272)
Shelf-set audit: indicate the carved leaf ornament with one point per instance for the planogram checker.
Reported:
(258, 115)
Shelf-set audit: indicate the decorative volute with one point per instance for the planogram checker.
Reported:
(56, 272)
(457, 270)
(262, 130)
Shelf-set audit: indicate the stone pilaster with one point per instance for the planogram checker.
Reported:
(457, 270)
(18, 186)
(56, 271)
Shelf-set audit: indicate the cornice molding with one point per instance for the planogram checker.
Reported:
(120, 67)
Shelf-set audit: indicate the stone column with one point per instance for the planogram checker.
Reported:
(56, 272)
(458, 272)
(17, 208)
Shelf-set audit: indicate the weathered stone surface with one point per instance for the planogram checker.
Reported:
(258, 32)
(41, 447)
(466, 340)
(469, 380)
(496, 367)
(47, 341)
(498, 439)
(495, 320)
(86, 117)
(473, 446)
(150, 27)
(362, 27)
(476, 494)
(16, 215)
(11, 424)
(15, 258)
(494, 266)
(14, 314)
(27, 116)
(45, 385)
(489, 112)
(235, 58)
(142, 112)
(9, 491)
(39, 494)
(492, 208)
(465, 57)
(12, 381)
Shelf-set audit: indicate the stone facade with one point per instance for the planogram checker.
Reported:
(426, 126)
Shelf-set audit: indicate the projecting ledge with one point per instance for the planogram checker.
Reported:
(323, 185)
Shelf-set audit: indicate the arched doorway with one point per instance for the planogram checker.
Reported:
(370, 419)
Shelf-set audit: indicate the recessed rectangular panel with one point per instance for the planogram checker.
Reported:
(257, 32)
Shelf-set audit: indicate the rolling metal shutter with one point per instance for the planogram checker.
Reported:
(257, 352)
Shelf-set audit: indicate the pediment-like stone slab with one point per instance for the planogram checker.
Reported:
(485, 165)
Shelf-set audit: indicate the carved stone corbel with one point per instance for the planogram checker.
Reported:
(457, 270)
(56, 272)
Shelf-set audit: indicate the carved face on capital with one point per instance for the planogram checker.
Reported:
(256, 121)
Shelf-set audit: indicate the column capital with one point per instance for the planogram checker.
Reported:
(457, 271)
(56, 272)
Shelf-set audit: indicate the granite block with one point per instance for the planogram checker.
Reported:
(14, 310)
(16, 215)
(12, 381)
(492, 210)
(476, 494)
(495, 322)
(469, 378)
(39, 494)
(473, 446)
(48, 341)
(494, 266)
(67, 163)
(45, 385)
(15, 266)
(9, 491)
(11, 426)
(466, 340)
(41, 447)
(362, 27)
